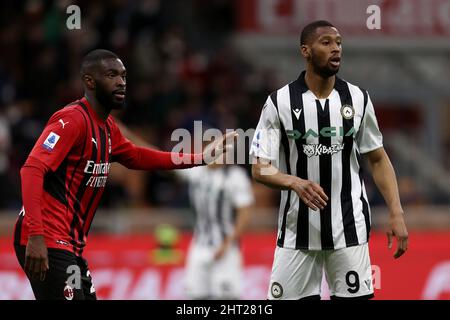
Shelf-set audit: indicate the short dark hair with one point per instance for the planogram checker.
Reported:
(94, 58)
(311, 28)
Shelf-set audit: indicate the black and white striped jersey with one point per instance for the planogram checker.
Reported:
(215, 194)
(320, 140)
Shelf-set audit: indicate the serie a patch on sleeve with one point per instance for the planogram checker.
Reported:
(51, 141)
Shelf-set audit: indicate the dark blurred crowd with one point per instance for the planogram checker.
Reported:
(180, 68)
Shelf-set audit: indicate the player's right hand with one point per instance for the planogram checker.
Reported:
(310, 193)
(36, 258)
(219, 147)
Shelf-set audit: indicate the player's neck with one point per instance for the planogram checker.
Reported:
(99, 110)
(321, 87)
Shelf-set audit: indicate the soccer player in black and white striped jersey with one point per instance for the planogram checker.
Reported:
(221, 197)
(308, 143)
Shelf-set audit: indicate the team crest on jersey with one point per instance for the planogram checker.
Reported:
(347, 111)
(68, 292)
(51, 141)
(276, 290)
(308, 149)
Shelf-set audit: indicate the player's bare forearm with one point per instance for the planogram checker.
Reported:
(308, 191)
(267, 174)
(384, 176)
(243, 218)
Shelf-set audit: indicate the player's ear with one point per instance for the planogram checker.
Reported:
(305, 51)
(89, 81)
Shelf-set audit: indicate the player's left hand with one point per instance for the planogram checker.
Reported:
(397, 228)
(219, 147)
(222, 249)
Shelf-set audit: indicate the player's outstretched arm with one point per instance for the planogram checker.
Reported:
(146, 158)
(384, 177)
(309, 192)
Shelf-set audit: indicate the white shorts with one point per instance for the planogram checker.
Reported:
(206, 278)
(297, 274)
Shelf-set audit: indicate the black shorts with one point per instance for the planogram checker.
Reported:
(68, 277)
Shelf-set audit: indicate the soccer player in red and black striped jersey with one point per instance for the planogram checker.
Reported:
(65, 175)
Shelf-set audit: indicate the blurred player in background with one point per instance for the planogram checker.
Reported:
(221, 197)
(317, 127)
(65, 175)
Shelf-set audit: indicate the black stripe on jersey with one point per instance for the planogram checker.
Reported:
(366, 100)
(285, 144)
(102, 145)
(365, 205)
(348, 219)
(208, 233)
(107, 148)
(55, 183)
(82, 187)
(204, 213)
(79, 160)
(325, 167)
(220, 219)
(296, 90)
(18, 229)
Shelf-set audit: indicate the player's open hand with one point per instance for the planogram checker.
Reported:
(397, 228)
(219, 147)
(310, 193)
(36, 258)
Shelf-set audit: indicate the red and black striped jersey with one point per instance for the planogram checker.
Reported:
(77, 148)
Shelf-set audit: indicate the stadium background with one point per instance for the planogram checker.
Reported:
(216, 61)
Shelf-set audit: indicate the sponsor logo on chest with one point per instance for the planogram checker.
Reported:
(99, 172)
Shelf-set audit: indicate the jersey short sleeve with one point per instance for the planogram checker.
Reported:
(59, 136)
(266, 141)
(369, 136)
(240, 189)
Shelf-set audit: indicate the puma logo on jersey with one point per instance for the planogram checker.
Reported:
(95, 142)
(63, 123)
